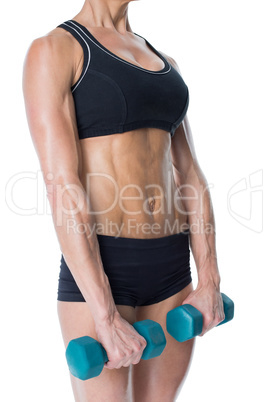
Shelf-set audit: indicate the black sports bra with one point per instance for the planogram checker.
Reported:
(113, 95)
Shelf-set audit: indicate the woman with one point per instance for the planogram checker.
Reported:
(107, 115)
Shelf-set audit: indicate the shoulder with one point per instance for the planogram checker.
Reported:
(55, 54)
(56, 43)
(171, 61)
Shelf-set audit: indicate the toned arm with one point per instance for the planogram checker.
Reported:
(47, 77)
(193, 188)
(196, 198)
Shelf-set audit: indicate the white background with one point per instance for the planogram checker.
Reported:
(221, 49)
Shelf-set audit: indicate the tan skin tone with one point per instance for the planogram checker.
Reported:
(54, 63)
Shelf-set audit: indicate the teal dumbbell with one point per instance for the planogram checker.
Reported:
(86, 357)
(186, 322)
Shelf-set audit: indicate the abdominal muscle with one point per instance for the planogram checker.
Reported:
(128, 178)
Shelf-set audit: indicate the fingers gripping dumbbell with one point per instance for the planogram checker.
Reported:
(186, 322)
(86, 356)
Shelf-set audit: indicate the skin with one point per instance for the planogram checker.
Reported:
(162, 166)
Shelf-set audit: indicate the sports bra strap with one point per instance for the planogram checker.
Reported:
(79, 36)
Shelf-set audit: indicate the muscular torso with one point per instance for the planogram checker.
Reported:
(128, 177)
(129, 181)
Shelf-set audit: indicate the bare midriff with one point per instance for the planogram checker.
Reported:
(129, 181)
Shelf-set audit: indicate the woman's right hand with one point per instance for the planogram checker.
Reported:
(123, 344)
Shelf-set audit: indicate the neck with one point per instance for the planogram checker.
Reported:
(111, 14)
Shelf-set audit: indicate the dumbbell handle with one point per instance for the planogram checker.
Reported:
(228, 307)
(229, 312)
(159, 337)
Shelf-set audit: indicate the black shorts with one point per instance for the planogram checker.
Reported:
(140, 271)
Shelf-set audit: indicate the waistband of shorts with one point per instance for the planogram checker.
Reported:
(132, 242)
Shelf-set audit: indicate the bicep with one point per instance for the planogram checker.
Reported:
(183, 154)
(186, 167)
(50, 110)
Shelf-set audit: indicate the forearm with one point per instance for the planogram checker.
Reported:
(198, 204)
(74, 225)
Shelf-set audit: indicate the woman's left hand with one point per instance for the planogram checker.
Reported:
(207, 299)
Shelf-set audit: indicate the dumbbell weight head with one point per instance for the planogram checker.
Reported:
(184, 322)
(85, 357)
(154, 336)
